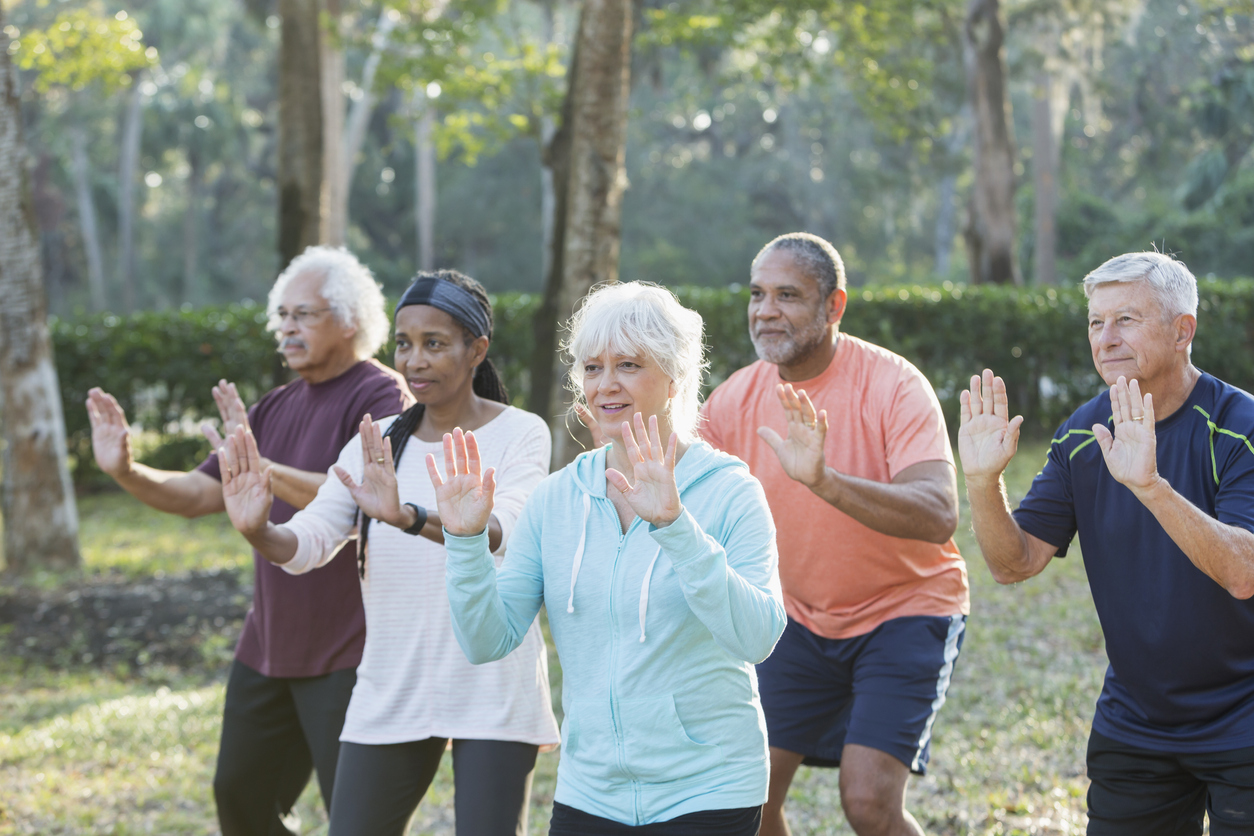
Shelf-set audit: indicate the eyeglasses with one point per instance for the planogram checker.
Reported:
(300, 316)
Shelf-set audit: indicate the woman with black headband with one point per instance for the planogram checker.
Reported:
(415, 689)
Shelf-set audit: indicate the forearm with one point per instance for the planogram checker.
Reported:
(1224, 552)
(911, 510)
(295, 487)
(191, 494)
(276, 543)
(481, 621)
(1003, 543)
(744, 618)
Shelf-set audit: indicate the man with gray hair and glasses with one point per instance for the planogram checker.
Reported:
(296, 661)
(1157, 477)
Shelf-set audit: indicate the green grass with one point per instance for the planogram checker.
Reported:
(86, 752)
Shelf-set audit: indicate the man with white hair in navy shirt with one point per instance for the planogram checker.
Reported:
(1157, 477)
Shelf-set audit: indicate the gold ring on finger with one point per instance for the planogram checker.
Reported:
(1138, 417)
(379, 460)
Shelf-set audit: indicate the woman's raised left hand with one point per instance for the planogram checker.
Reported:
(654, 496)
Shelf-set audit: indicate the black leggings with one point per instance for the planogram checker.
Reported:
(378, 787)
(746, 821)
(275, 732)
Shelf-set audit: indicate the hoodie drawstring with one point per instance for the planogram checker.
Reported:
(644, 591)
(583, 535)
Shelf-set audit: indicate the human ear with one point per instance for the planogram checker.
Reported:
(836, 305)
(1186, 329)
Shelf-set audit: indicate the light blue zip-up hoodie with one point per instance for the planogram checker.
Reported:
(657, 631)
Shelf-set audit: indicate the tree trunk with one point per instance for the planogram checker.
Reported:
(40, 519)
(334, 171)
(300, 129)
(191, 227)
(424, 213)
(128, 169)
(362, 109)
(586, 244)
(87, 219)
(990, 232)
(1045, 178)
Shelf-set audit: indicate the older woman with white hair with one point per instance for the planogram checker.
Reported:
(656, 557)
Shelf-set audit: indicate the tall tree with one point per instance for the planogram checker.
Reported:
(587, 238)
(990, 233)
(300, 150)
(128, 169)
(40, 518)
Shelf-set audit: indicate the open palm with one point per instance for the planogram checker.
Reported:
(801, 451)
(110, 434)
(652, 492)
(377, 495)
(232, 410)
(246, 488)
(987, 436)
(1130, 447)
(464, 492)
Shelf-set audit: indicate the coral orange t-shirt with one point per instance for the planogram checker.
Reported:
(840, 578)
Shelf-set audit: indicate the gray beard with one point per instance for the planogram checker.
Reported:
(796, 346)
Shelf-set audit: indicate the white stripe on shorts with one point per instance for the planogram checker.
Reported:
(956, 625)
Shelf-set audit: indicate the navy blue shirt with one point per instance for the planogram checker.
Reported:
(1181, 648)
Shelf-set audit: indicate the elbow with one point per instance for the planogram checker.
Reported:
(779, 620)
(1242, 590)
(939, 526)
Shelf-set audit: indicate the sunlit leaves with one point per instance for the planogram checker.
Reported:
(82, 47)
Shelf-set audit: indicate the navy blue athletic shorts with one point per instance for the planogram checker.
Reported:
(882, 690)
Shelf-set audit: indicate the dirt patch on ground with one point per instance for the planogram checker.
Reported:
(188, 621)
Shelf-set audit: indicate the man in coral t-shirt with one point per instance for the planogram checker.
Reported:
(850, 445)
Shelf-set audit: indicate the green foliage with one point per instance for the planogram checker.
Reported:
(161, 366)
(83, 46)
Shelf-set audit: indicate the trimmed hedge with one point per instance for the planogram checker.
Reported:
(161, 365)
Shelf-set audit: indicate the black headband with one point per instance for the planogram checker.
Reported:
(453, 299)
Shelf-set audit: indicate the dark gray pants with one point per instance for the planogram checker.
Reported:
(275, 732)
(378, 787)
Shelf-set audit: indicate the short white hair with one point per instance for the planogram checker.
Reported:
(631, 317)
(350, 290)
(1172, 283)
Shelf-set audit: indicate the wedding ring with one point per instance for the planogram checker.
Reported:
(1137, 417)
(379, 460)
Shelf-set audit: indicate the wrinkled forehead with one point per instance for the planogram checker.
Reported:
(1108, 297)
(304, 291)
(780, 268)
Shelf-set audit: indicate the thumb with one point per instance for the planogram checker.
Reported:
(211, 433)
(489, 481)
(1104, 438)
(345, 477)
(772, 438)
(617, 479)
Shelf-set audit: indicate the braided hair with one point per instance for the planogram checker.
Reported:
(486, 384)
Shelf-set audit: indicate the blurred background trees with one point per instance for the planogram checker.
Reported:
(746, 118)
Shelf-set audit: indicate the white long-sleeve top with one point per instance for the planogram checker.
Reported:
(414, 682)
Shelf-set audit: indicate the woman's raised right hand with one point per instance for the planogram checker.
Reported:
(246, 486)
(464, 492)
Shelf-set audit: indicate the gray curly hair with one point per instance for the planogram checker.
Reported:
(350, 290)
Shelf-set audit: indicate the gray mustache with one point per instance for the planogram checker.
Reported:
(291, 342)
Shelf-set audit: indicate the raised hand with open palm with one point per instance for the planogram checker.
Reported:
(464, 492)
(654, 496)
(987, 436)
